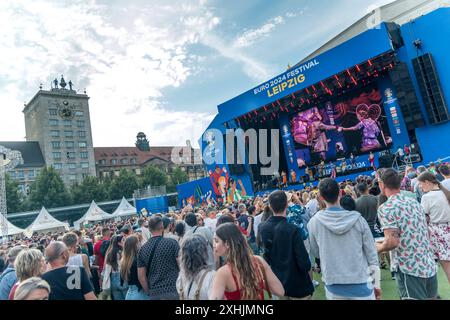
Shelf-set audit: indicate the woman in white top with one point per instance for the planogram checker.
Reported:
(436, 203)
(75, 258)
(195, 278)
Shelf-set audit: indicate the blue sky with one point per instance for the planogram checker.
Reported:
(156, 66)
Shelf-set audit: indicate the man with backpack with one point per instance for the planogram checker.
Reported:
(285, 250)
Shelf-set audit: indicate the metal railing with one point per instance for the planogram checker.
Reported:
(149, 192)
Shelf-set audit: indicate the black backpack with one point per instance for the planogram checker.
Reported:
(104, 247)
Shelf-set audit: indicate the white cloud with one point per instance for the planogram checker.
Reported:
(124, 64)
(251, 36)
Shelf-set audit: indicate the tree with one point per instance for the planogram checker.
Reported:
(123, 185)
(48, 190)
(153, 176)
(89, 189)
(177, 177)
(13, 195)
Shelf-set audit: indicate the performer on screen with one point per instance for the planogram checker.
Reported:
(369, 126)
(283, 178)
(321, 169)
(317, 138)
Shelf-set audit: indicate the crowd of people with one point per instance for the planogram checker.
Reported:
(263, 247)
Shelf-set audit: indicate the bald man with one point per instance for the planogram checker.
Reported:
(66, 283)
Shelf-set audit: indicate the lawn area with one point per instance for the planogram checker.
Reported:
(389, 286)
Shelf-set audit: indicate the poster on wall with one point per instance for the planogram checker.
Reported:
(353, 124)
(226, 189)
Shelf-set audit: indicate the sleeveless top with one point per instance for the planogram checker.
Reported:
(75, 261)
(236, 295)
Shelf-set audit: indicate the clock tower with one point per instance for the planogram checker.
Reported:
(59, 120)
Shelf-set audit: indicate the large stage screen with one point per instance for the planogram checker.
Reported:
(352, 123)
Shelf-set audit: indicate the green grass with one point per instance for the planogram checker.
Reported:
(389, 286)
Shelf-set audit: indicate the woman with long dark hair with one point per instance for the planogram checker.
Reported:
(436, 203)
(129, 270)
(244, 276)
(112, 272)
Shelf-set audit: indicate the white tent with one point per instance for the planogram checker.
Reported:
(45, 222)
(12, 229)
(94, 213)
(124, 209)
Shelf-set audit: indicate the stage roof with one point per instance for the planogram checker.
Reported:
(359, 49)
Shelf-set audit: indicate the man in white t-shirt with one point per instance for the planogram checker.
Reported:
(211, 220)
(445, 171)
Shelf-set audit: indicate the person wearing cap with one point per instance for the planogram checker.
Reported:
(9, 277)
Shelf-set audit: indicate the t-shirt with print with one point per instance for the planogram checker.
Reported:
(68, 283)
(413, 255)
(163, 270)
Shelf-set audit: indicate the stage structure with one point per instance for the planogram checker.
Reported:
(341, 113)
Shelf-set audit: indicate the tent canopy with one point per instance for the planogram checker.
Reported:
(94, 213)
(124, 209)
(46, 222)
(12, 229)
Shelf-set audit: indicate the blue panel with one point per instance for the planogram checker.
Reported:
(367, 45)
(153, 205)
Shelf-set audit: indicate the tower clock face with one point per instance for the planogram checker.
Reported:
(66, 111)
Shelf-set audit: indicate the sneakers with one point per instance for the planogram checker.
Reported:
(392, 276)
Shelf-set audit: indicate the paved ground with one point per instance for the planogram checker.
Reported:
(389, 287)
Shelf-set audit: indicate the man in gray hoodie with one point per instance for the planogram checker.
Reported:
(344, 243)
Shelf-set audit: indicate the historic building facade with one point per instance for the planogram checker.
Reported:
(110, 160)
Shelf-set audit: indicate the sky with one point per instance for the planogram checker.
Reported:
(156, 66)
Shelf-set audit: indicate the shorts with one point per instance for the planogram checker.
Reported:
(415, 288)
(332, 296)
(440, 240)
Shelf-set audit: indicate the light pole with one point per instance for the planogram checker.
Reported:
(9, 159)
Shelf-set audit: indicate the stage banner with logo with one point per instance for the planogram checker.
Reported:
(289, 150)
(360, 48)
(393, 113)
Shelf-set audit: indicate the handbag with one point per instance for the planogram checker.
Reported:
(199, 286)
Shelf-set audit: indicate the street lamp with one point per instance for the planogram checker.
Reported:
(9, 159)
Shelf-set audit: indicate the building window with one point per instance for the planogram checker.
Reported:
(57, 166)
(70, 144)
(138, 171)
(85, 165)
(68, 133)
(80, 123)
(53, 112)
(22, 188)
(53, 122)
(72, 166)
(54, 133)
(117, 173)
(56, 155)
(124, 161)
(113, 161)
(82, 134)
(31, 174)
(82, 144)
(83, 155)
(79, 113)
(12, 174)
(72, 176)
(67, 123)
(56, 144)
(85, 175)
(133, 161)
(20, 175)
(70, 155)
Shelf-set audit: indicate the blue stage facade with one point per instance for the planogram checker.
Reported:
(351, 102)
